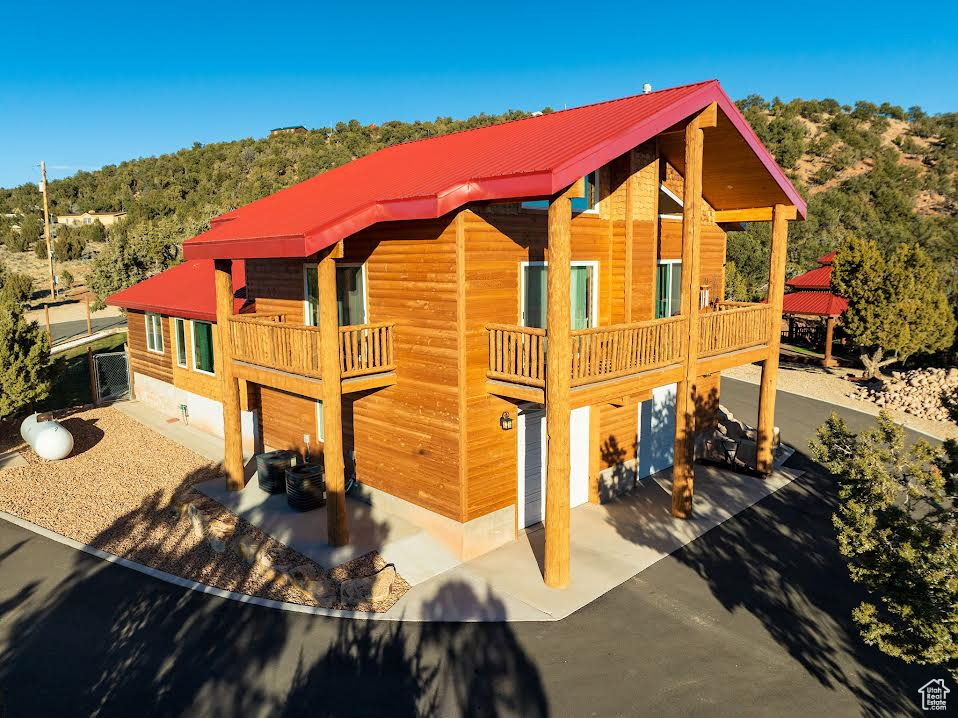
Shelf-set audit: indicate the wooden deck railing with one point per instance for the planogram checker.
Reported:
(366, 349)
(733, 326)
(605, 353)
(517, 354)
(270, 341)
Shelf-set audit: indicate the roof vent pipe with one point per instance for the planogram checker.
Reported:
(646, 88)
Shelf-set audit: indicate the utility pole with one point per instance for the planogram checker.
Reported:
(46, 228)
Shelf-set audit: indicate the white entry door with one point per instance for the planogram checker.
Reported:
(532, 462)
(656, 434)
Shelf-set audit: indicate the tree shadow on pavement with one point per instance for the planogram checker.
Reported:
(80, 636)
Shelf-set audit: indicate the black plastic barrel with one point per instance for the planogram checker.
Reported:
(271, 470)
(306, 487)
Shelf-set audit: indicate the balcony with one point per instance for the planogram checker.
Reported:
(626, 358)
(269, 349)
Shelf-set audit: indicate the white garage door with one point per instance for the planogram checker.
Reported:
(532, 461)
(656, 435)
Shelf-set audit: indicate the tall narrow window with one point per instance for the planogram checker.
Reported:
(180, 328)
(203, 360)
(668, 290)
(154, 333)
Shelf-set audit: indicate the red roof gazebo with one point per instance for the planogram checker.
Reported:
(814, 298)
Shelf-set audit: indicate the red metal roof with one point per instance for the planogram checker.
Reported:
(824, 304)
(818, 278)
(826, 258)
(186, 290)
(532, 157)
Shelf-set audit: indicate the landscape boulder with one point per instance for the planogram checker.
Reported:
(372, 588)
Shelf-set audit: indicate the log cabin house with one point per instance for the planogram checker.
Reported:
(494, 325)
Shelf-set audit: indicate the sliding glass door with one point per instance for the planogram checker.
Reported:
(350, 295)
(581, 295)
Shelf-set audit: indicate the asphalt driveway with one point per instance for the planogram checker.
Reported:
(753, 618)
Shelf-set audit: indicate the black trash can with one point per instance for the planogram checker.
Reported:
(306, 487)
(271, 470)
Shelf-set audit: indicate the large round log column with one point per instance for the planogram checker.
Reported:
(683, 478)
(776, 296)
(336, 528)
(232, 425)
(558, 388)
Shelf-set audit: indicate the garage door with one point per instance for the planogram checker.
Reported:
(532, 461)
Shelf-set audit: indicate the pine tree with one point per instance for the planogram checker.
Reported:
(25, 372)
(899, 531)
(896, 305)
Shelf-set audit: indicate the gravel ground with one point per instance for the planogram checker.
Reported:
(831, 386)
(116, 490)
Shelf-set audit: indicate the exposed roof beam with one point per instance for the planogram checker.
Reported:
(756, 214)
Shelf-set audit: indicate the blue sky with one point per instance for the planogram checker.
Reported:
(135, 79)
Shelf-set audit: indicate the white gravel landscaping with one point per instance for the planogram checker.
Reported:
(119, 491)
(829, 385)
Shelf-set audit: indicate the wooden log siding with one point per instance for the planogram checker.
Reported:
(734, 326)
(366, 349)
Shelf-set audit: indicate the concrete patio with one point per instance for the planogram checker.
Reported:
(610, 543)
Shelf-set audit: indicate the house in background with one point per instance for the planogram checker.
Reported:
(498, 324)
(77, 220)
(292, 130)
(812, 298)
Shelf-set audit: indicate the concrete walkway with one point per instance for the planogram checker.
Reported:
(611, 542)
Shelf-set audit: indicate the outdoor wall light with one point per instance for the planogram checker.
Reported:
(505, 421)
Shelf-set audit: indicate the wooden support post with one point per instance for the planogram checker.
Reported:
(46, 318)
(129, 371)
(829, 337)
(92, 371)
(89, 320)
(684, 455)
(232, 425)
(558, 388)
(776, 294)
(629, 235)
(337, 530)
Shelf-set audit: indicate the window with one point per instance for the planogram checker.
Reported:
(670, 204)
(350, 294)
(582, 294)
(87, 220)
(668, 289)
(586, 203)
(203, 347)
(180, 330)
(154, 333)
(320, 426)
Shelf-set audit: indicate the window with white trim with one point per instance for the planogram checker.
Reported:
(154, 333)
(589, 202)
(203, 360)
(668, 289)
(179, 329)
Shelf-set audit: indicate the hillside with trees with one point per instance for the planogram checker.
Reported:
(876, 172)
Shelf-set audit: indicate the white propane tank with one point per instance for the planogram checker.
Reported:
(51, 441)
(27, 426)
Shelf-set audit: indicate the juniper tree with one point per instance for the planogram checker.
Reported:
(896, 304)
(898, 529)
(25, 371)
